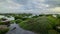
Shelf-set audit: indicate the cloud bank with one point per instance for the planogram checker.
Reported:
(30, 6)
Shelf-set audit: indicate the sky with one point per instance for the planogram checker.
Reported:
(30, 6)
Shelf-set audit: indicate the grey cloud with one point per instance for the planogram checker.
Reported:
(29, 6)
(21, 1)
(53, 3)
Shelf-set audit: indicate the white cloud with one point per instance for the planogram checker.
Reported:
(42, 6)
(56, 9)
(39, 0)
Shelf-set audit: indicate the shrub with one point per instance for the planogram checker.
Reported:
(18, 21)
(53, 32)
(40, 25)
(3, 30)
(1, 23)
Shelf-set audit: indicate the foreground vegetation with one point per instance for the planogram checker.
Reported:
(41, 24)
(3, 30)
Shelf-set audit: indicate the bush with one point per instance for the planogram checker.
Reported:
(1, 23)
(3, 30)
(53, 32)
(54, 21)
(40, 25)
(18, 21)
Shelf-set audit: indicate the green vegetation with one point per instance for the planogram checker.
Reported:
(42, 24)
(3, 30)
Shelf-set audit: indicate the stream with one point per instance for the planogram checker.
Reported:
(18, 30)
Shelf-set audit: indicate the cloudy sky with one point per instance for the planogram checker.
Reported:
(30, 6)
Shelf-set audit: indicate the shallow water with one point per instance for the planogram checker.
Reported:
(18, 30)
